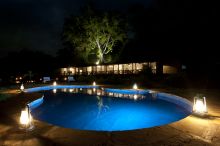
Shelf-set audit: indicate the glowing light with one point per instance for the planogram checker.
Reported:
(20, 78)
(94, 89)
(135, 87)
(54, 90)
(135, 97)
(94, 83)
(70, 90)
(200, 105)
(65, 79)
(97, 63)
(54, 83)
(24, 118)
(22, 87)
(98, 93)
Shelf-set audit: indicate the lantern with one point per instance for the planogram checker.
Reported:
(26, 119)
(199, 106)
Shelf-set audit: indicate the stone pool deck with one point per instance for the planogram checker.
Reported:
(193, 131)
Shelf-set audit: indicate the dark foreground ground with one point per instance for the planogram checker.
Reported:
(193, 131)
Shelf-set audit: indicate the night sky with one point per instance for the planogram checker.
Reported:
(37, 24)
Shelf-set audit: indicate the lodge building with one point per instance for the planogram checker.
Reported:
(127, 68)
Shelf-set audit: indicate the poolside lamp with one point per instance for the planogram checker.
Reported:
(26, 119)
(54, 83)
(22, 87)
(135, 87)
(199, 106)
(94, 83)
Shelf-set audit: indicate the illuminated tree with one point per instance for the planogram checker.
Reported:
(95, 37)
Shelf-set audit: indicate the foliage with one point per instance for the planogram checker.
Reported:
(94, 37)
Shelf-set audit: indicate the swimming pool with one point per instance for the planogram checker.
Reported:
(109, 109)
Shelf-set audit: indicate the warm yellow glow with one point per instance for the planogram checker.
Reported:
(20, 78)
(54, 83)
(94, 89)
(97, 63)
(65, 79)
(94, 83)
(135, 87)
(71, 69)
(25, 118)
(199, 105)
(22, 87)
(70, 90)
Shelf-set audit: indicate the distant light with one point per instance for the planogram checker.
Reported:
(65, 79)
(22, 87)
(94, 89)
(54, 83)
(199, 106)
(70, 90)
(54, 90)
(135, 87)
(97, 63)
(20, 78)
(94, 83)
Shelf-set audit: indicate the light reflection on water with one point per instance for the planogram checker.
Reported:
(101, 92)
